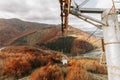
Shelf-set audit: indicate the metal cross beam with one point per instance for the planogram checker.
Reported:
(95, 10)
(92, 10)
(111, 33)
(78, 13)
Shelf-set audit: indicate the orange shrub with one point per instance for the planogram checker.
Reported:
(38, 60)
(77, 73)
(48, 73)
(16, 67)
(20, 61)
(89, 65)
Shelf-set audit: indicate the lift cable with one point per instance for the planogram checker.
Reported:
(91, 34)
(83, 3)
(80, 5)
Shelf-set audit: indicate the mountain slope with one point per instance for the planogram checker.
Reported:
(11, 29)
(17, 32)
(75, 41)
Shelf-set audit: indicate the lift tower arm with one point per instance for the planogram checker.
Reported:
(111, 32)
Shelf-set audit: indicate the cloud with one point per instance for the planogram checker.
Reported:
(13, 6)
(104, 4)
(29, 9)
(36, 10)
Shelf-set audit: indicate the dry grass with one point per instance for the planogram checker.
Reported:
(77, 73)
(89, 65)
(17, 68)
(22, 62)
(55, 72)
(48, 73)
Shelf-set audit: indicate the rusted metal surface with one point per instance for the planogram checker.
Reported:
(103, 47)
(65, 7)
(66, 12)
(103, 55)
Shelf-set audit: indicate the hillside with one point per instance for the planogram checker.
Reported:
(18, 32)
(34, 51)
(30, 63)
(12, 29)
(74, 41)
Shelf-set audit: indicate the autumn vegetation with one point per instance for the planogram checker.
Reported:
(23, 61)
(20, 61)
(77, 73)
(90, 65)
(17, 68)
(74, 70)
(49, 72)
(18, 32)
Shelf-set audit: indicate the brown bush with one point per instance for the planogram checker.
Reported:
(89, 65)
(20, 64)
(81, 46)
(48, 73)
(16, 67)
(35, 59)
(23, 61)
(77, 73)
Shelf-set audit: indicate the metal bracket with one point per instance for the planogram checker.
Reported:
(111, 43)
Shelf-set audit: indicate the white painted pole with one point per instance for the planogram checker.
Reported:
(112, 44)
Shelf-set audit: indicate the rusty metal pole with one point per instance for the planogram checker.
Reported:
(111, 34)
(67, 3)
(65, 8)
(103, 56)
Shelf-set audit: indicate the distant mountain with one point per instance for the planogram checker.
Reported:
(11, 29)
(18, 32)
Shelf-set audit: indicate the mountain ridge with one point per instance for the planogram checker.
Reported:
(11, 28)
(17, 32)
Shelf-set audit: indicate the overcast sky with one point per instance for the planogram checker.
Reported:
(39, 9)
(47, 11)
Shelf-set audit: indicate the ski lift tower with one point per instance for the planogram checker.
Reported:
(108, 23)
